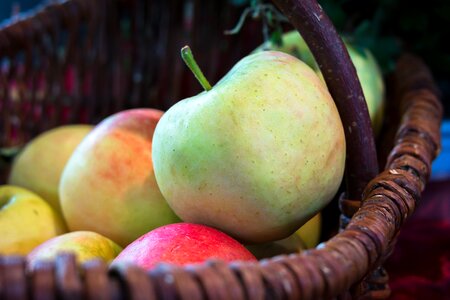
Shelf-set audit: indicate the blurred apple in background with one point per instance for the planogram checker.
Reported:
(26, 220)
(257, 155)
(367, 69)
(310, 232)
(291, 244)
(305, 237)
(181, 244)
(108, 185)
(86, 245)
(39, 165)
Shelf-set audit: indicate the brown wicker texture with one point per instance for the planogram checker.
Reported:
(78, 61)
(75, 62)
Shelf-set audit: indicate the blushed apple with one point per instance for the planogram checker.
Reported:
(256, 155)
(182, 244)
(39, 165)
(108, 185)
(26, 220)
(86, 245)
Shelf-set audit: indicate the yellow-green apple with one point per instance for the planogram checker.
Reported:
(305, 237)
(257, 155)
(182, 244)
(291, 244)
(86, 245)
(108, 185)
(26, 220)
(310, 232)
(39, 165)
(366, 66)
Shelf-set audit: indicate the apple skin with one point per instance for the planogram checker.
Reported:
(310, 232)
(86, 245)
(108, 185)
(305, 237)
(39, 165)
(26, 220)
(367, 69)
(291, 244)
(372, 83)
(182, 244)
(257, 155)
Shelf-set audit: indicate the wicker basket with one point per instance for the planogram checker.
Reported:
(81, 60)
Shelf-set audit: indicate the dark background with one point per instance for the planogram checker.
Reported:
(7, 7)
(387, 27)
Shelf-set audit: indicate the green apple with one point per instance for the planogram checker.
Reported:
(86, 245)
(39, 165)
(26, 220)
(366, 66)
(257, 155)
(108, 185)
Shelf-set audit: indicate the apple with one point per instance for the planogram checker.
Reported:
(108, 185)
(86, 245)
(310, 232)
(182, 244)
(291, 244)
(366, 66)
(255, 156)
(26, 220)
(305, 237)
(39, 165)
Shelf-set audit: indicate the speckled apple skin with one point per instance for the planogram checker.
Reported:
(182, 244)
(257, 155)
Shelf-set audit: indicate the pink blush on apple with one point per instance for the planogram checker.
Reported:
(181, 244)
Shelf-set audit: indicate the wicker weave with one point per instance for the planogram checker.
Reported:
(72, 62)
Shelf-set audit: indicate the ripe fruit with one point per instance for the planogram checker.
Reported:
(257, 155)
(182, 244)
(39, 165)
(86, 245)
(26, 220)
(366, 66)
(309, 233)
(108, 185)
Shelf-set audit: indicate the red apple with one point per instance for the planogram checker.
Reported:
(182, 244)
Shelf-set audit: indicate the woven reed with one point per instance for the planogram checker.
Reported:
(101, 64)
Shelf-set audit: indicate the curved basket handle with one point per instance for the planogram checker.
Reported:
(340, 75)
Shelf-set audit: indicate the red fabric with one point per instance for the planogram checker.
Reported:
(419, 268)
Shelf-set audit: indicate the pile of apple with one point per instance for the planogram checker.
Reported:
(233, 173)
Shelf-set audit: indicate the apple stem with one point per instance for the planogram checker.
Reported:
(189, 60)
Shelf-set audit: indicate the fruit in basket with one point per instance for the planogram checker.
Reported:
(291, 244)
(86, 245)
(108, 185)
(26, 220)
(257, 155)
(309, 233)
(182, 244)
(39, 165)
(366, 66)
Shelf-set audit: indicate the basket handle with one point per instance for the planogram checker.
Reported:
(340, 76)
